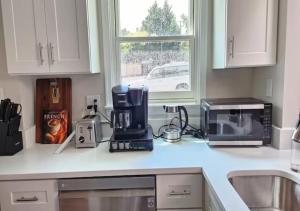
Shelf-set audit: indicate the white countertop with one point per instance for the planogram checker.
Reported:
(189, 156)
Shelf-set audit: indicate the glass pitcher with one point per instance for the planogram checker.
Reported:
(174, 123)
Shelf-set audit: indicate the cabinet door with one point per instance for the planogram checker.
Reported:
(68, 36)
(252, 32)
(25, 36)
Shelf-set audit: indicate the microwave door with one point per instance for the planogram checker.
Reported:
(235, 125)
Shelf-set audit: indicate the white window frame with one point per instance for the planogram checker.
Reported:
(198, 51)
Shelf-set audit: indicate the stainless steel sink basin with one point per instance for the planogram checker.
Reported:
(268, 193)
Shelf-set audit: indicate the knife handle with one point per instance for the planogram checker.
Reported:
(7, 112)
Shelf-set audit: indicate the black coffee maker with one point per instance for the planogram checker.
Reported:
(129, 119)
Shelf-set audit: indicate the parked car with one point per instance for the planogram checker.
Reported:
(168, 77)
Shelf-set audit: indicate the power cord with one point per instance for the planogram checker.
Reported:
(96, 111)
(197, 133)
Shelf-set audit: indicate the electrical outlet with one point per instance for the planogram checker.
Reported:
(1, 93)
(269, 88)
(90, 100)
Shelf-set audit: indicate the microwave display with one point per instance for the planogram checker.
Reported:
(237, 124)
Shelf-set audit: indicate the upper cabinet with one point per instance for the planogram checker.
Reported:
(244, 33)
(51, 36)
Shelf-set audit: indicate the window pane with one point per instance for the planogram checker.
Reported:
(162, 66)
(154, 18)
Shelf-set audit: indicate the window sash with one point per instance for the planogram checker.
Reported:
(164, 95)
(161, 96)
(117, 22)
(157, 38)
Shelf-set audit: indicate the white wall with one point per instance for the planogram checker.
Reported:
(276, 73)
(229, 83)
(291, 100)
(285, 75)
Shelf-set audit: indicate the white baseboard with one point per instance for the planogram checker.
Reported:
(282, 137)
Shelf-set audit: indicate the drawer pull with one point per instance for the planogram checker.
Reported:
(24, 199)
(184, 193)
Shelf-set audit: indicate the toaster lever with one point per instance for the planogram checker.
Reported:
(90, 130)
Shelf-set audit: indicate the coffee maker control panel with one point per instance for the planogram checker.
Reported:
(144, 143)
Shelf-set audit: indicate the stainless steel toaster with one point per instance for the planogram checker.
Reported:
(88, 132)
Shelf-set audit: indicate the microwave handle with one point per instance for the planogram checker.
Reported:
(204, 121)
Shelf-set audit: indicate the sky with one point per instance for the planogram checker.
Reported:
(133, 12)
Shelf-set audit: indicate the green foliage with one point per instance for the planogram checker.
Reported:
(160, 21)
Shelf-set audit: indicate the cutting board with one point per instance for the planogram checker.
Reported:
(52, 95)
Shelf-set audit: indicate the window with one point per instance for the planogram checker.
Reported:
(155, 43)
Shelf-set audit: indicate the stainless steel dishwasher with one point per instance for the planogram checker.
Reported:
(107, 194)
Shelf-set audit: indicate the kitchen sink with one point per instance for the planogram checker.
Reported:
(267, 192)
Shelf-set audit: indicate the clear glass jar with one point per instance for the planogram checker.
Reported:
(171, 131)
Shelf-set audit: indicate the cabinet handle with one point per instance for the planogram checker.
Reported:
(183, 193)
(24, 199)
(232, 47)
(41, 53)
(51, 47)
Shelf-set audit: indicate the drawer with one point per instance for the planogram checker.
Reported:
(41, 195)
(179, 191)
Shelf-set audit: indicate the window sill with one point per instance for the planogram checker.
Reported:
(156, 109)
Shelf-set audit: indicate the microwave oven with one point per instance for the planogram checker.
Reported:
(236, 121)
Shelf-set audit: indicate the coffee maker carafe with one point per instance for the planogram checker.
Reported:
(129, 119)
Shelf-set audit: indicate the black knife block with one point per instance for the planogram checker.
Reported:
(11, 140)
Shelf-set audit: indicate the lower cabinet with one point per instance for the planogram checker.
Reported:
(182, 192)
(38, 195)
(211, 201)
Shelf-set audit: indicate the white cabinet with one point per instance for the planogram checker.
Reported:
(25, 36)
(244, 33)
(179, 192)
(39, 195)
(211, 201)
(51, 36)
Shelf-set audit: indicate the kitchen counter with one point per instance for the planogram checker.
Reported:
(189, 156)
